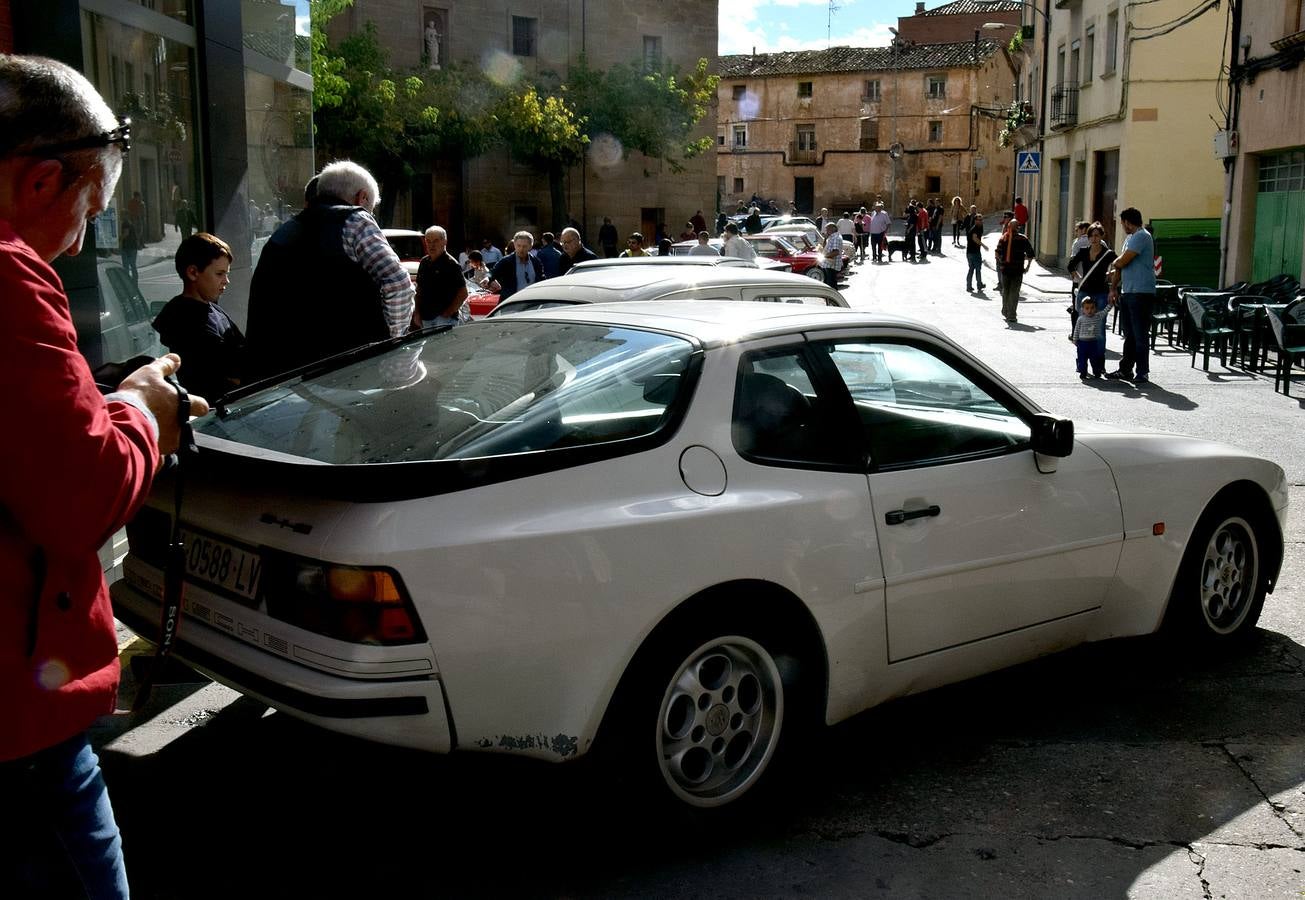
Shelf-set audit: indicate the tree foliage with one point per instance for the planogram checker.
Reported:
(389, 119)
(653, 112)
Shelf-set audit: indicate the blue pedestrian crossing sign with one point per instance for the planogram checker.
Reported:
(1028, 162)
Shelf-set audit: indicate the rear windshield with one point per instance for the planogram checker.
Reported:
(475, 391)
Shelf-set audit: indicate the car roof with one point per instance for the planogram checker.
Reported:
(716, 322)
(659, 281)
(662, 261)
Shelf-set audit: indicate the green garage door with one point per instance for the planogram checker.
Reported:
(1280, 215)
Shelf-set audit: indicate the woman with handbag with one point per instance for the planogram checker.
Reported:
(1088, 269)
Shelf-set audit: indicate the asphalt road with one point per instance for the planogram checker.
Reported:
(1123, 769)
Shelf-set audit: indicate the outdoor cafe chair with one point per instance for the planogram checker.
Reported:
(1290, 340)
(1207, 312)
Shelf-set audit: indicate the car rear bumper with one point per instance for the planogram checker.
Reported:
(407, 712)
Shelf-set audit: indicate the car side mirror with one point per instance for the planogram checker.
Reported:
(1052, 436)
(660, 389)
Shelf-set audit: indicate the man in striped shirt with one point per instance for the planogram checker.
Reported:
(328, 280)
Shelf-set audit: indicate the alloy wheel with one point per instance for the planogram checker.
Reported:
(1229, 575)
(719, 721)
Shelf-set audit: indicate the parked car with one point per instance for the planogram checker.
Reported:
(126, 318)
(410, 245)
(614, 284)
(678, 533)
(773, 247)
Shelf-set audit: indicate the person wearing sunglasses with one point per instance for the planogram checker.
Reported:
(76, 468)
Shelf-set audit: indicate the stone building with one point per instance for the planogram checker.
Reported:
(494, 195)
(956, 21)
(1265, 145)
(841, 127)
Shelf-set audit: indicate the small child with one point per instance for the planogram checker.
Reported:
(1087, 332)
(193, 326)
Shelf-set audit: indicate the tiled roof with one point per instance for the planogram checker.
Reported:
(961, 7)
(855, 59)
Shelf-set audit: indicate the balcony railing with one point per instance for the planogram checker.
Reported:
(801, 154)
(1064, 106)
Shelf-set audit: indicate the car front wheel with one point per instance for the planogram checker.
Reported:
(720, 719)
(816, 273)
(1221, 585)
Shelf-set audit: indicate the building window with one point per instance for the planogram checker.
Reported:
(720, 185)
(740, 136)
(720, 140)
(1074, 56)
(652, 53)
(1282, 172)
(1060, 64)
(738, 185)
(1089, 51)
(932, 184)
(869, 134)
(525, 30)
(804, 89)
(870, 90)
(935, 87)
(1112, 42)
(935, 131)
(739, 90)
(806, 137)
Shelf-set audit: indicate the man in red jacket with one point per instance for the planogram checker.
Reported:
(74, 468)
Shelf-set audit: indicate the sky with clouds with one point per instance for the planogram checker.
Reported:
(771, 25)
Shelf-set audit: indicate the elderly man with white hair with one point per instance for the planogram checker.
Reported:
(521, 269)
(76, 468)
(441, 288)
(327, 280)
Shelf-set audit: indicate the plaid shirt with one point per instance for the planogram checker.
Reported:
(365, 245)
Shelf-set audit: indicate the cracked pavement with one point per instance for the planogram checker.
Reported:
(1129, 768)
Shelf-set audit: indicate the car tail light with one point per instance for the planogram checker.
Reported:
(356, 604)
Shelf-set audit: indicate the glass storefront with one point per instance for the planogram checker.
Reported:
(278, 113)
(151, 78)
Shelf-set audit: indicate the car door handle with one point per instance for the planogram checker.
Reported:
(898, 516)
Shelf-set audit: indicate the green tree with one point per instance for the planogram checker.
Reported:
(546, 131)
(654, 112)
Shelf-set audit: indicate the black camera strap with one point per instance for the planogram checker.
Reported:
(174, 571)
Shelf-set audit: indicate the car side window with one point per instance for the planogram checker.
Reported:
(782, 416)
(916, 408)
(805, 299)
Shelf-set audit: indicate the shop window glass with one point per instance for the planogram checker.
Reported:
(158, 198)
(278, 29)
(279, 128)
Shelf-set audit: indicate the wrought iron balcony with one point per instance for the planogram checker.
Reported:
(1064, 106)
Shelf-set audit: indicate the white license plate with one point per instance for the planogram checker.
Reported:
(225, 565)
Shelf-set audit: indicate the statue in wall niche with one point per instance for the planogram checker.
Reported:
(432, 45)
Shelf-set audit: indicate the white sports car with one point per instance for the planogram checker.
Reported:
(681, 532)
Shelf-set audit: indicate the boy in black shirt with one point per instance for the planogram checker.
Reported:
(193, 324)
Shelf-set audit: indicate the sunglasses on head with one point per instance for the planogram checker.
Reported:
(120, 135)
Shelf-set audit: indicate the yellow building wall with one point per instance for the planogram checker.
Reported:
(1158, 108)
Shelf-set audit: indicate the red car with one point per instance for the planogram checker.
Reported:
(779, 248)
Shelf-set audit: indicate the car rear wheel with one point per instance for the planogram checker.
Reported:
(720, 719)
(816, 273)
(1220, 589)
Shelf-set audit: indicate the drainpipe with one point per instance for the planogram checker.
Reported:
(1042, 115)
(1230, 125)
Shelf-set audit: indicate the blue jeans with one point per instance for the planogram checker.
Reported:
(439, 320)
(975, 271)
(64, 836)
(1135, 320)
